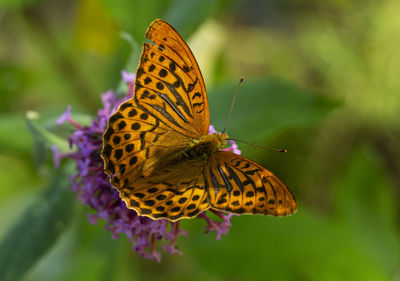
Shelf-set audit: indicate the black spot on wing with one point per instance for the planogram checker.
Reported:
(196, 95)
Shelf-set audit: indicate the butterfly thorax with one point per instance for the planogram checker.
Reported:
(205, 145)
(196, 149)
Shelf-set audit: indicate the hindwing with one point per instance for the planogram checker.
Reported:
(239, 185)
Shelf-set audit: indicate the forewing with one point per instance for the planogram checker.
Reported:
(169, 109)
(134, 141)
(169, 83)
(238, 185)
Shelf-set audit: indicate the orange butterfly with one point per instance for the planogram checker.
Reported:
(159, 154)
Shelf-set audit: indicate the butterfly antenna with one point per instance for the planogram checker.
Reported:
(260, 146)
(233, 102)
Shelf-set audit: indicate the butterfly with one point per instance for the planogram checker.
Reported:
(159, 155)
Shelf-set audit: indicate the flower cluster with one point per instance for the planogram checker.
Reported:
(93, 189)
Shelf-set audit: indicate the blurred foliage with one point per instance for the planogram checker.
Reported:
(321, 79)
(36, 232)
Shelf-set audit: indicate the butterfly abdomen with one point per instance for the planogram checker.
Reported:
(198, 149)
(201, 150)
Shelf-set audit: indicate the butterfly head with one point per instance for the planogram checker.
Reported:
(220, 139)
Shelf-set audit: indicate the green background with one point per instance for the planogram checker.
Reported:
(321, 80)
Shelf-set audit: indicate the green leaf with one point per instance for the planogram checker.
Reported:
(186, 16)
(43, 137)
(301, 247)
(38, 229)
(41, 133)
(131, 64)
(84, 252)
(264, 106)
(133, 59)
(364, 200)
(14, 134)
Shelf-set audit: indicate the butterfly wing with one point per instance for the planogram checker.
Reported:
(169, 83)
(238, 185)
(169, 108)
(134, 141)
(173, 191)
(141, 154)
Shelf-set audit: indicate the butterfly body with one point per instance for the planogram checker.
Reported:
(204, 146)
(159, 154)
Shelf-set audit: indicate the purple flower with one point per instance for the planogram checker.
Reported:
(221, 227)
(65, 116)
(93, 189)
(234, 147)
(127, 77)
(211, 130)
